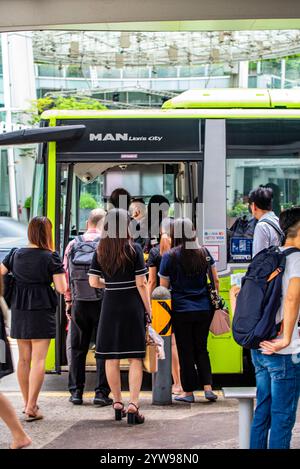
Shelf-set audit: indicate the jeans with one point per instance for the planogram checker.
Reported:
(191, 331)
(278, 388)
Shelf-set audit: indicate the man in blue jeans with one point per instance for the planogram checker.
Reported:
(277, 362)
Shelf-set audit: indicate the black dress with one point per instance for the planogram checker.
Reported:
(121, 330)
(34, 301)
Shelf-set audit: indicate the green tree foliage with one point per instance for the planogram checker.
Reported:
(238, 210)
(38, 106)
(87, 201)
(27, 203)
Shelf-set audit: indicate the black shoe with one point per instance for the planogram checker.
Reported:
(76, 397)
(102, 400)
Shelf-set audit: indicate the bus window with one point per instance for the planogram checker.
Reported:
(38, 194)
(254, 161)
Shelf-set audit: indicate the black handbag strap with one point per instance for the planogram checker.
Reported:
(11, 259)
(209, 269)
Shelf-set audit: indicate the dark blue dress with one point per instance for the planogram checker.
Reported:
(34, 301)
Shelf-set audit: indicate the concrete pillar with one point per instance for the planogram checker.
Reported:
(19, 90)
(282, 73)
(243, 74)
(8, 125)
(21, 68)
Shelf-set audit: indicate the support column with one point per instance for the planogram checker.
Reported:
(8, 126)
(282, 74)
(19, 90)
(243, 74)
(245, 421)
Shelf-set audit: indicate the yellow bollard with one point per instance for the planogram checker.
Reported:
(161, 316)
(161, 323)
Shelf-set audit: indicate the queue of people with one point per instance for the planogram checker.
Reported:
(111, 294)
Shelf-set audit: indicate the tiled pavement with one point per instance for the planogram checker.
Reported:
(180, 426)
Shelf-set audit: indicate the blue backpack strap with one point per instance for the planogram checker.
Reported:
(274, 226)
(289, 251)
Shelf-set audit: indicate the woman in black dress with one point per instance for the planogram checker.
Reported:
(33, 307)
(118, 266)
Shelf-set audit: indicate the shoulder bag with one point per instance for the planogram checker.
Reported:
(9, 281)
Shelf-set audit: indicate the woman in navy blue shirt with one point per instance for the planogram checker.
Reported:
(184, 269)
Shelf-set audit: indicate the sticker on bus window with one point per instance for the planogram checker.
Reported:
(241, 249)
(215, 237)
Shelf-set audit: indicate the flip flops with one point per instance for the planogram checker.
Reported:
(33, 417)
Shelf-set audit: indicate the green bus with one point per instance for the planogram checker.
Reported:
(204, 150)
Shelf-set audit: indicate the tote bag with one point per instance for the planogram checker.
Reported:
(150, 360)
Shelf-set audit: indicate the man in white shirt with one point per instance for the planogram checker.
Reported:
(277, 362)
(267, 231)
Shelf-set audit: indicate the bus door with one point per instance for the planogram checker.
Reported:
(84, 186)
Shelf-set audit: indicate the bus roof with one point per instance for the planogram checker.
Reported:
(216, 103)
(254, 98)
(236, 113)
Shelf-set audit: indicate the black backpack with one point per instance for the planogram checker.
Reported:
(260, 298)
(240, 239)
(79, 261)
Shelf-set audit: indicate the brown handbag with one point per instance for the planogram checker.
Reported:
(150, 360)
(220, 323)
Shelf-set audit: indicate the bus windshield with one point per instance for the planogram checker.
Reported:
(89, 185)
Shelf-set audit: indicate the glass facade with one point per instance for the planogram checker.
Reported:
(259, 152)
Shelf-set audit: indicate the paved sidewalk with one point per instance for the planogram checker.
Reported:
(179, 426)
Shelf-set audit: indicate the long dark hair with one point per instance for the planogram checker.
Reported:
(116, 248)
(155, 217)
(192, 257)
(120, 196)
(40, 233)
